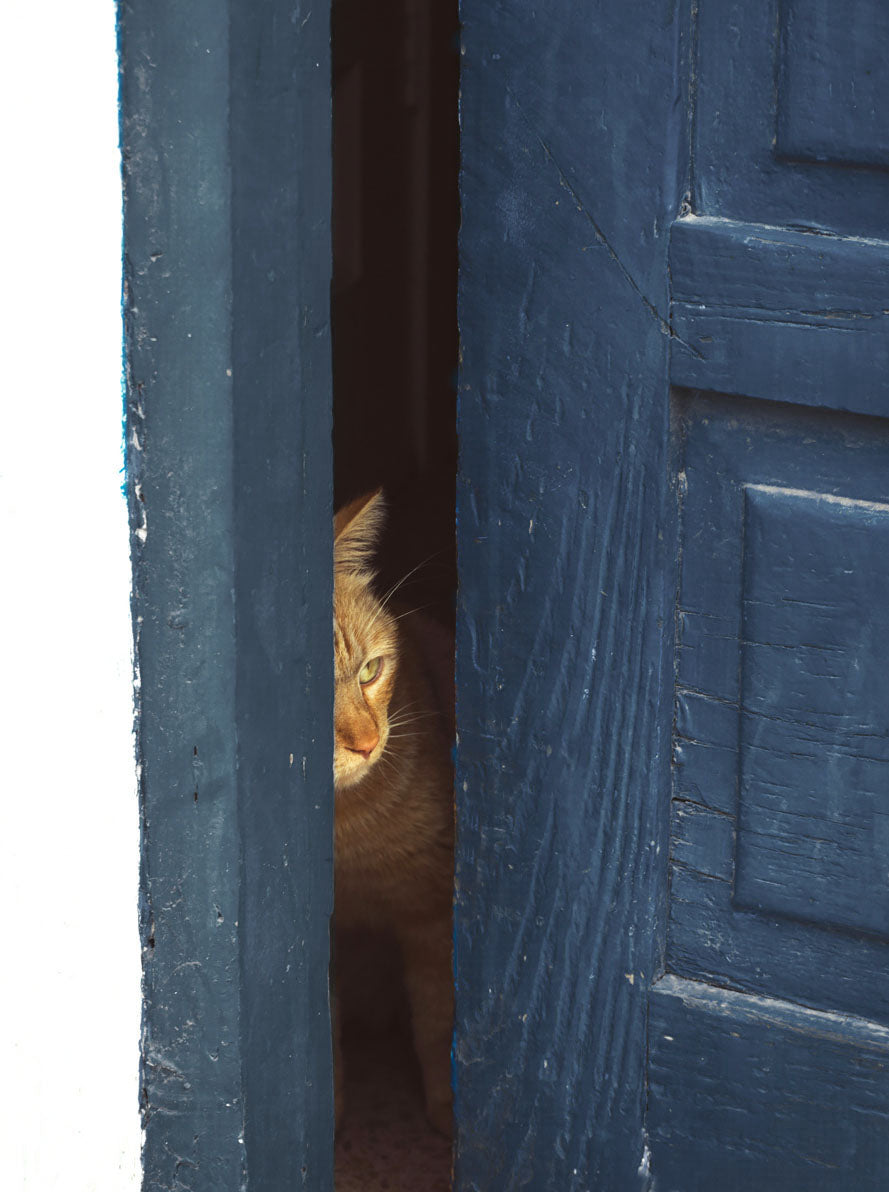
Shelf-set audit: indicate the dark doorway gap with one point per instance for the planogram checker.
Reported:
(394, 303)
(394, 330)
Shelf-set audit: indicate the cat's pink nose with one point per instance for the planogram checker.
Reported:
(365, 746)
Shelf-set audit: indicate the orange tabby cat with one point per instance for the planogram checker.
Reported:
(393, 781)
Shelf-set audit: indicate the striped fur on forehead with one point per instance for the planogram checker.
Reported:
(363, 627)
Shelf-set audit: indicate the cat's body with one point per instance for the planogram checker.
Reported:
(394, 818)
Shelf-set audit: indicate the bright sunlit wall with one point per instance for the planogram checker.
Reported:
(69, 995)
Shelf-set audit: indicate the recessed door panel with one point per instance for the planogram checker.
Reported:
(781, 740)
(813, 815)
(790, 123)
(833, 88)
(769, 1032)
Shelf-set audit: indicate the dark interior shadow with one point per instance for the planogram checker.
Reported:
(395, 222)
(396, 209)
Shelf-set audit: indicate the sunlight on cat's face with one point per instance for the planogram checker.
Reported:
(365, 663)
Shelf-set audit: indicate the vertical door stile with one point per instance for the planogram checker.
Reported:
(226, 146)
(573, 134)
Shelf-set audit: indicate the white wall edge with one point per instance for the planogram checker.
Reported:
(70, 995)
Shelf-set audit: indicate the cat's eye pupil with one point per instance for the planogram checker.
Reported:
(370, 670)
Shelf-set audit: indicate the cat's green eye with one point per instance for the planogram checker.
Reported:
(369, 671)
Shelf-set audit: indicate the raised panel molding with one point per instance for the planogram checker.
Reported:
(813, 825)
(791, 121)
(781, 729)
(833, 87)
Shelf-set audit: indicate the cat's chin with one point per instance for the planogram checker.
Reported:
(353, 778)
(348, 772)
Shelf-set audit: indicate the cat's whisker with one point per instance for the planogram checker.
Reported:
(397, 728)
(414, 703)
(384, 600)
(388, 596)
(411, 611)
(402, 716)
(410, 719)
(390, 765)
(390, 761)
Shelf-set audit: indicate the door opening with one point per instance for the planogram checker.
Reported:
(394, 328)
(395, 212)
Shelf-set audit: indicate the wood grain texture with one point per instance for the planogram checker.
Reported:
(762, 1094)
(228, 396)
(779, 314)
(572, 127)
(813, 826)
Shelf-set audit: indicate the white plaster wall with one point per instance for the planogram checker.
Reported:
(69, 964)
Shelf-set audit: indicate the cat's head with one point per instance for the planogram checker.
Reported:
(365, 644)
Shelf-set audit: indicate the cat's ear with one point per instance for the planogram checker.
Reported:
(356, 529)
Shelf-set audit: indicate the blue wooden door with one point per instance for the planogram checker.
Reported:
(769, 1033)
(673, 872)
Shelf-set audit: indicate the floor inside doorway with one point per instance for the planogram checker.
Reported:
(385, 1143)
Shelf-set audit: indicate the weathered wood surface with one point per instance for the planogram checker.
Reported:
(813, 829)
(749, 1092)
(778, 846)
(832, 83)
(778, 314)
(226, 152)
(572, 123)
(779, 824)
(791, 124)
(579, 147)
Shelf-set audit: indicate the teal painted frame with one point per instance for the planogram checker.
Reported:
(226, 150)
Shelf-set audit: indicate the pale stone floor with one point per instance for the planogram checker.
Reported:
(385, 1143)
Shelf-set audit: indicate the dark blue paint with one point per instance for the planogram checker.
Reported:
(748, 1092)
(779, 844)
(226, 158)
(775, 624)
(813, 828)
(773, 313)
(572, 126)
(751, 116)
(832, 84)
(586, 132)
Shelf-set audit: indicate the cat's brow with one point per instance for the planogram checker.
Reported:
(348, 646)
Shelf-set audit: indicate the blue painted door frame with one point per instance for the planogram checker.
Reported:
(672, 936)
(226, 148)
